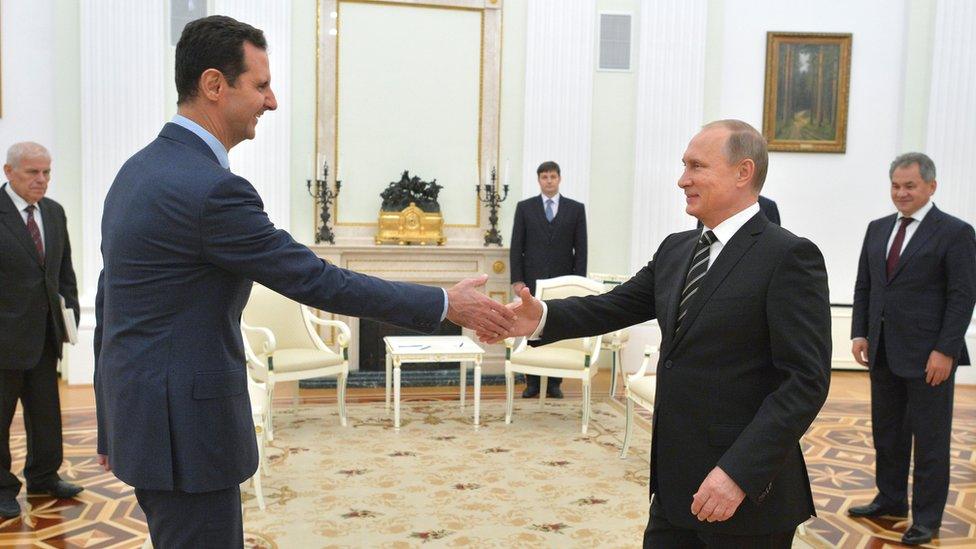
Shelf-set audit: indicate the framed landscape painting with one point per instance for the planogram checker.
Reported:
(807, 81)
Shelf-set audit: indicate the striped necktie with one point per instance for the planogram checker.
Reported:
(699, 266)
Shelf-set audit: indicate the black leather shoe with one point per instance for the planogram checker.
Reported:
(9, 508)
(530, 392)
(875, 509)
(59, 489)
(917, 535)
(554, 392)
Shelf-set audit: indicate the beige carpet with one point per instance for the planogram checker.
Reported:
(439, 482)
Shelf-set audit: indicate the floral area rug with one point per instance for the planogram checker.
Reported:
(439, 482)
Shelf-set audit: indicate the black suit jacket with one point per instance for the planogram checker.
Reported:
(541, 249)
(767, 207)
(743, 380)
(928, 302)
(29, 290)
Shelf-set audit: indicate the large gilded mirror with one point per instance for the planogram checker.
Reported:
(408, 85)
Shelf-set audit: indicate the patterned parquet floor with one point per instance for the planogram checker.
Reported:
(838, 448)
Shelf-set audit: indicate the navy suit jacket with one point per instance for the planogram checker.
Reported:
(541, 249)
(182, 241)
(927, 303)
(741, 381)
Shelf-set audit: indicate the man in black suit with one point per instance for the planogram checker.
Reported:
(548, 240)
(767, 207)
(182, 240)
(35, 269)
(913, 301)
(745, 357)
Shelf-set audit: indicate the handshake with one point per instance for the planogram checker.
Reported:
(492, 321)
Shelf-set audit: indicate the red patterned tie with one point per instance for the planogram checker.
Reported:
(35, 233)
(895, 252)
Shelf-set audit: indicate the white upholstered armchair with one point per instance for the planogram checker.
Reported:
(282, 343)
(614, 342)
(570, 358)
(640, 389)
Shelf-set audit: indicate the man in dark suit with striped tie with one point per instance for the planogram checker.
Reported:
(745, 357)
(913, 301)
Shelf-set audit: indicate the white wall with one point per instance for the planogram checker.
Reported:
(828, 198)
(28, 66)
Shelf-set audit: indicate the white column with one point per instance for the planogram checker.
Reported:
(670, 106)
(122, 107)
(559, 62)
(265, 161)
(951, 136)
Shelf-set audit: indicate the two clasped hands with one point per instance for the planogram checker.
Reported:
(718, 496)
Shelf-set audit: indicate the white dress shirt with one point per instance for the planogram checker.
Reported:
(723, 233)
(21, 206)
(910, 229)
(555, 203)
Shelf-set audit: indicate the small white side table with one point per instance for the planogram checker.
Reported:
(424, 349)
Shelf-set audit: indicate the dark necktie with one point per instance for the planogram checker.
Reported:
(894, 254)
(35, 232)
(699, 266)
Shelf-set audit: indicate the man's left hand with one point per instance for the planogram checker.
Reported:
(938, 368)
(468, 307)
(717, 498)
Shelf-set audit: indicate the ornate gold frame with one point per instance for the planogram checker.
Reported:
(327, 98)
(838, 144)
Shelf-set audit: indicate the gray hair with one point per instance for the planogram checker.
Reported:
(745, 142)
(25, 149)
(925, 165)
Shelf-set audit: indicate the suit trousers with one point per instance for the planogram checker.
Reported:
(903, 409)
(37, 389)
(180, 520)
(661, 534)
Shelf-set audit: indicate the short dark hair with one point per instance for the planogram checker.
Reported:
(743, 142)
(926, 168)
(547, 166)
(215, 42)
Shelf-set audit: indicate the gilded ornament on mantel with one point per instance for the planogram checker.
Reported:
(410, 213)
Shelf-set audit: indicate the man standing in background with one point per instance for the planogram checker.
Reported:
(548, 240)
(35, 271)
(913, 301)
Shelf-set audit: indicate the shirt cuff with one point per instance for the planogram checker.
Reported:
(444, 314)
(537, 334)
(857, 338)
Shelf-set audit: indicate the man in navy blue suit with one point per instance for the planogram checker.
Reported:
(913, 301)
(182, 240)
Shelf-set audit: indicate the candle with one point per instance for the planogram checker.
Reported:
(311, 167)
(506, 172)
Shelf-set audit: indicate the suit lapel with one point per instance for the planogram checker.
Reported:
(732, 252)
(51, 232)
(10, 217)
(676, 281)
(878, 254)
(925, 230)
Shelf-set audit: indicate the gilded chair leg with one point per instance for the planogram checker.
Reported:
(256, 479)
(509, 396)
(343, 378)
(629, 429)
(543, 389)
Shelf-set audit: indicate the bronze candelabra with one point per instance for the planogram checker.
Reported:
(324, 197)
(491, 198)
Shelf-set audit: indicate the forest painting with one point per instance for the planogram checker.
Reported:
(807, 78)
